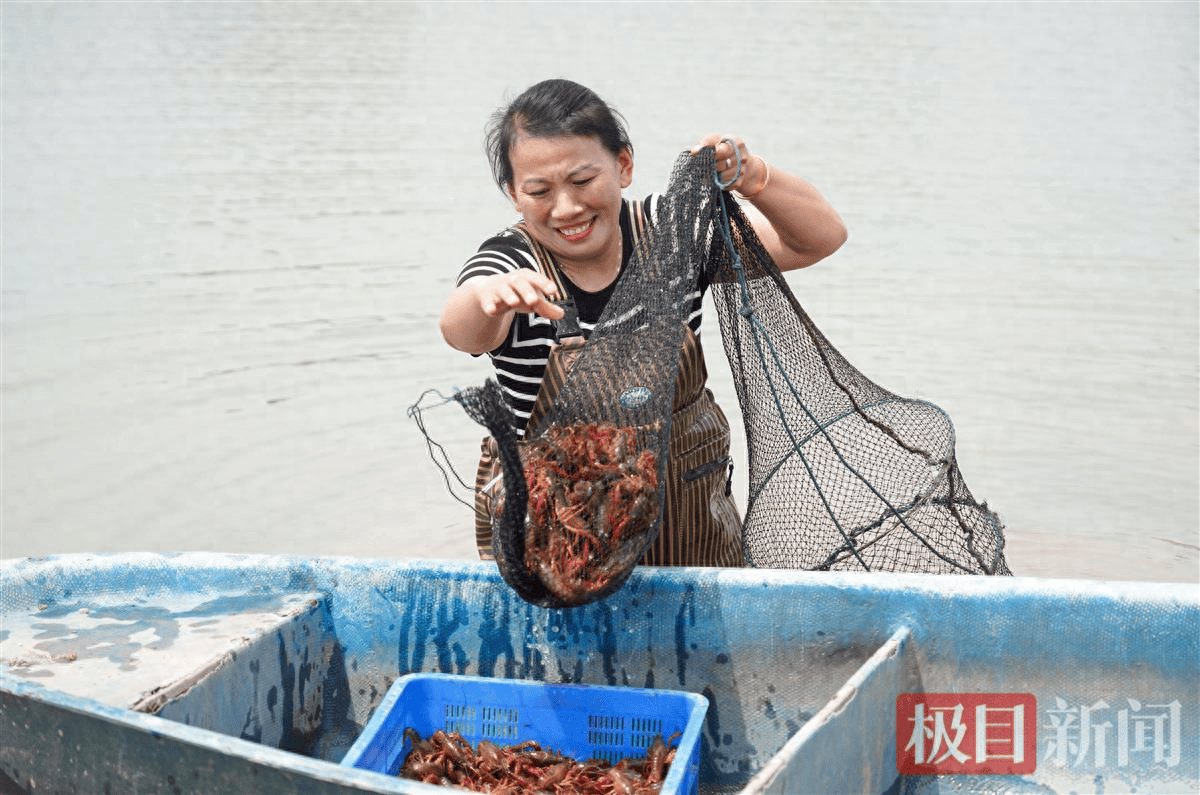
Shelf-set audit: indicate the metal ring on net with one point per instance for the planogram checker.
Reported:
(737, 174)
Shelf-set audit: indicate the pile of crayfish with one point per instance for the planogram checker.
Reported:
(448, 759)
(592, 493)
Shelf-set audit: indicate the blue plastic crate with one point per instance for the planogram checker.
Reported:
(580, 721)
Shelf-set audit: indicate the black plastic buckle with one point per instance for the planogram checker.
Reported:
(568, 324)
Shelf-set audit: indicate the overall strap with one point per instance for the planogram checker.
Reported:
(638, 222)
(545, 260)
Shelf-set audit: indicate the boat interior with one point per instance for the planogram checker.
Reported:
(268, 667)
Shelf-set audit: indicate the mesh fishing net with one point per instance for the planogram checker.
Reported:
(844, 474)
(583, 494)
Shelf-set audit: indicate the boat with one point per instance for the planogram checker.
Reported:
(221, 673)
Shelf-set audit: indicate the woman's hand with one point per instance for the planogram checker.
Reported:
(754, 174)
(791, 218)
(479, 312)
(522, 290)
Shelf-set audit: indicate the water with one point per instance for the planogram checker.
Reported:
(228, 229)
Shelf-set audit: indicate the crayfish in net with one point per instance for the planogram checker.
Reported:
(447, 758)
(593, 495)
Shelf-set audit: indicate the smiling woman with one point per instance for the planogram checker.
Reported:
(568, 190)
(533, 293)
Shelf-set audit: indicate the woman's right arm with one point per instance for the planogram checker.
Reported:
(479, 312)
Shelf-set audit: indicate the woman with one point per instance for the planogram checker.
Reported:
(563, 157)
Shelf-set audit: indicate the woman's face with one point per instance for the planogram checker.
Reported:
(569, 191)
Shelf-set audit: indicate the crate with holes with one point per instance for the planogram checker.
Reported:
(498, 735)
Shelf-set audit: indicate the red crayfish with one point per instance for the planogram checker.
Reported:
(593, 492)
(448, 759)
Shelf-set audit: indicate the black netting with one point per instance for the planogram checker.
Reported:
(843, 473)
(588, 498)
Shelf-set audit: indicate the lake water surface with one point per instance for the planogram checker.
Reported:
(228, 230)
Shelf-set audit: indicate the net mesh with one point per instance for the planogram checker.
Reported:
(584, 492)
(843, 474)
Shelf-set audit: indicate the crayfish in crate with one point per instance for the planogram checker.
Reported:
(447, 758)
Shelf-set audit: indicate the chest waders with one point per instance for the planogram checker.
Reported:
(702, 526)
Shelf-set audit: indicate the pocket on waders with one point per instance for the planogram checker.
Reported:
(702, 507)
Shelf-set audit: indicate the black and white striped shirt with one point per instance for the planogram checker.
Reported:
(520, 360)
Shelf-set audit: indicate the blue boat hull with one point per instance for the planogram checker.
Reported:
(242, 673)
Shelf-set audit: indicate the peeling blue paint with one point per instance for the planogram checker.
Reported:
(685, 619)
(252, 728)
(451, 615)
(496, 636)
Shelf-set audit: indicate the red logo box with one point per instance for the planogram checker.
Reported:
(966, 733)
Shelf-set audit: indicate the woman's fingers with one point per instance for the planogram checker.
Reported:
(732, 156)
(712, 139)
(522, 291)
(548, 309)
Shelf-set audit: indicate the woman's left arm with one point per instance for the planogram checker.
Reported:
(793, 220)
